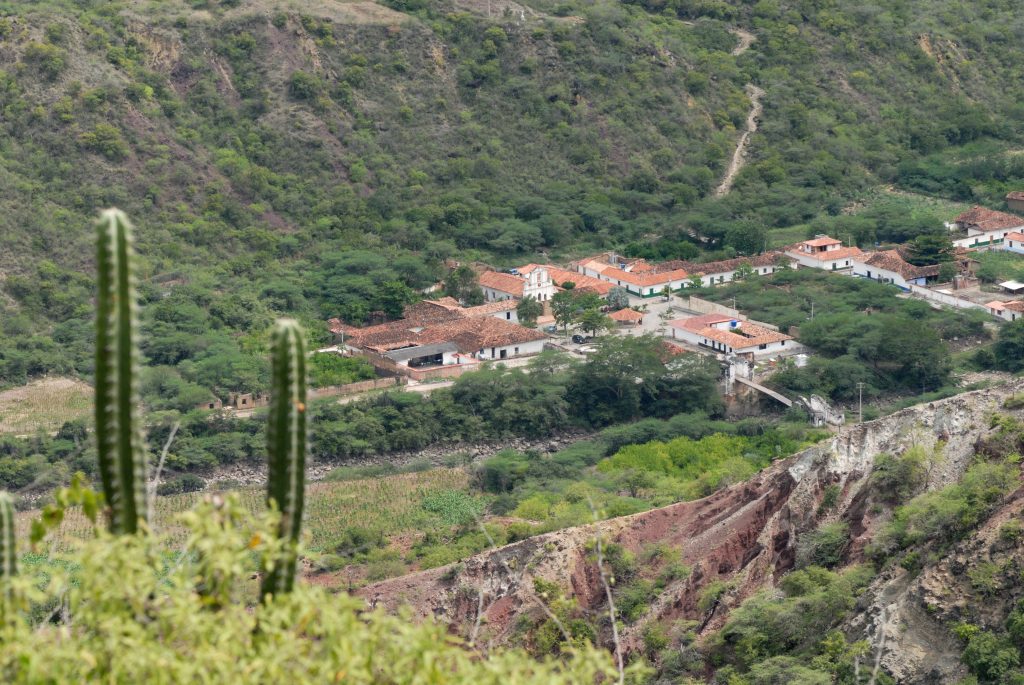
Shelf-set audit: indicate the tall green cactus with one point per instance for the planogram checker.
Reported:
(120, 443)
(286, 447)
(8, 547)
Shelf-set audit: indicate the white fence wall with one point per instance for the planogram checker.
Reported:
(943, 298)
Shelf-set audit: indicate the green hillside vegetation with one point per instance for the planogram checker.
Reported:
(359, 146)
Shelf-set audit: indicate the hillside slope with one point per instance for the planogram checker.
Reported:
(323, 158)
(745, 539)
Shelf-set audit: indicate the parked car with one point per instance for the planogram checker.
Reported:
(581, 339)
(551, 329)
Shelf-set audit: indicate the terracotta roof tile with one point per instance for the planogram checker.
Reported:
(560, 276)
(489, 308)
(627, 316)
(1015, 195)
(727, 265)
(696, 323)
(984, 219)
(826, 255)
(506, 283)
(892, 260)
(1016, 235)
(823, 241)
(643, 279)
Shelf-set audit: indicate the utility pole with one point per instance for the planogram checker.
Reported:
(860, 401)
(734, 303)
(812, 309)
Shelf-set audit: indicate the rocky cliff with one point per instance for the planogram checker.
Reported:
(745, 538)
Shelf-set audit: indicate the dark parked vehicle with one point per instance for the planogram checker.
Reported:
(581, 339)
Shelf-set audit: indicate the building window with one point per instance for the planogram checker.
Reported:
(763, 347)
(503, 354)
(508, 315)
(517, 351)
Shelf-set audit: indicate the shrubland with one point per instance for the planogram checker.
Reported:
(361, 150)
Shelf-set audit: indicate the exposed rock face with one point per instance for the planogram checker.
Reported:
(745, 535)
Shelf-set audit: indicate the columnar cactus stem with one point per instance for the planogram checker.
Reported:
(286, 447)
(120, 443)
(8, 547)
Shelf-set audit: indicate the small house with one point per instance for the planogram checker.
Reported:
(888, 266)
(728, 335)
(1014, 242)
(823, 252)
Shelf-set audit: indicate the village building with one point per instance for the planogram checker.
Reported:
(1015, 200)
(421, 349)
(985, 228)
(888, 266)
(1014, 242)
(637, 276)
(729, 335)
(1010, 311)
(1012, 287)
(627, 317)
(724, 271)
(503, 286)
(560, 277)
(823, 252)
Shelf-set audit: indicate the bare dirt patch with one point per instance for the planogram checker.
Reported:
(43, 405)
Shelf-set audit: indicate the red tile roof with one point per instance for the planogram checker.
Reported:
(984, 219)
(825, 255)
(627, 316)
(643, 279)
(468, 333)
(892, 260)
(727, 265)
(560, 276)
(489, 308)
(1012, 305)
(1016, 235)
(823, 241)
(506, 283)
(1015, 195)
(444, 309)
(695, 323)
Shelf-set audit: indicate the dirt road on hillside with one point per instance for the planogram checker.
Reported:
(756, 108)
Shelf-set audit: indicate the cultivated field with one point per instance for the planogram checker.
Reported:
(43, 405)
(390, 505)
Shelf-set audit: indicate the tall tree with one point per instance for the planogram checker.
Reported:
(618, 298)
(930, 248)
(594, 321)
(528, 310)
(463, 284)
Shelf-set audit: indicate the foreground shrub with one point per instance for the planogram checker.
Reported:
(133, 613)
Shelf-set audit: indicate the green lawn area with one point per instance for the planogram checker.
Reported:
(998, 266)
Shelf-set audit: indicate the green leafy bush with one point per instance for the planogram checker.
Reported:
(200, 623)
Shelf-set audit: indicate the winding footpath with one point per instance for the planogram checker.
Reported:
(756, 108)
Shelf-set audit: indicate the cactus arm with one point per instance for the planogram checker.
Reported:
(286, 447)
(121, 448)
(8, 545)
